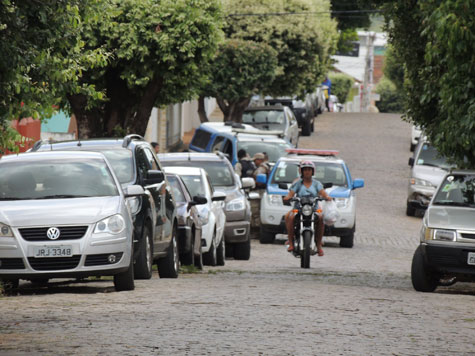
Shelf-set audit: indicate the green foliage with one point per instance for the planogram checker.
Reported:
(241, 68)
(391, 98)
(351, 20)
(303, 42)
(436, 41)
(346, 39)
(341, 85)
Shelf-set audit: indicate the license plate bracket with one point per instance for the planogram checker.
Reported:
(52, 251)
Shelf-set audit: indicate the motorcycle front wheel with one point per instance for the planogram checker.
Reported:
(305, 257)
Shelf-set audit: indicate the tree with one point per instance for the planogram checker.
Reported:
(41, 56)
(157, 48)
(300, 31)
(341, 85)
(240, 69)
(436, 41)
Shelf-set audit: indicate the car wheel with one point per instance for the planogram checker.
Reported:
(313, 125)
(221, 253)
(9, 285)
(410, 211)
(125, 280)
(144, 262)
(169, 265)
(412, 147)
(306, 128)
(210, 257)
(266, 237)
(229, 250)
(423, 279)
(188, 258)
(242, 250)
(347, 240)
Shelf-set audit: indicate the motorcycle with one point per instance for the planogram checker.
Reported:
(307, 211)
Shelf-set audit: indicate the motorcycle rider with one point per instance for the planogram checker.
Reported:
(306, 186)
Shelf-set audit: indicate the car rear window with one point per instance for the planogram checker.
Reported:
(201, 139)
(265, 119)
(219, 172)
(56, 179)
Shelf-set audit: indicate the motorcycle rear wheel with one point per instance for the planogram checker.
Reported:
(305, 257)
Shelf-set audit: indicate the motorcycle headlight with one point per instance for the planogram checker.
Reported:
(114, 225)
(5, 231)
(274, 199)
(236, 205)
(307, 210)
(421, 182)
(440, 234)
(342, 202)
(134, 205)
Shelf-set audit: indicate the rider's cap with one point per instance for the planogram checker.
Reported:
(259, 156)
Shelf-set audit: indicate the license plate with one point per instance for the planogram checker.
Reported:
(52, 251)
(471, 258)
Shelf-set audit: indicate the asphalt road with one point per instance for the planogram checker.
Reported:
(355, 301)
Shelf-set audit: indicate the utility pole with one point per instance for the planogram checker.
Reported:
(368, 73)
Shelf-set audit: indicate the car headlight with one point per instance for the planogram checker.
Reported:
(440, 234)
(134, 205)
(342, 202)
(114, 224)
(274, 199)
(421, 182)
(5, 231)
(236, 205)
(307, 210)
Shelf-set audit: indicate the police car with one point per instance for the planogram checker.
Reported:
(328, 169)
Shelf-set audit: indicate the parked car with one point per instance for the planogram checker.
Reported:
(223, 179)
(189, 222)
(276, 118)
(229, 139)
(416, 133)
(328, 169)
(211, 214)
(319, 100)
(446, 253)
(63, 215)
(428, 169)
(302, 109)
(154, 214)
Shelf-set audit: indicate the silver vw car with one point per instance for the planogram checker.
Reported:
(63, 215)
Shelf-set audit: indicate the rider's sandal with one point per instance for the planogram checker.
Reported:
(291, 248)
(320, 253)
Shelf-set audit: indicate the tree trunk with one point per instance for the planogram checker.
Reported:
(223, 105)
(235, 109)
(89, 121)
(201, 109)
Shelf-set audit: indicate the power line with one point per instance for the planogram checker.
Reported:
(342, 12)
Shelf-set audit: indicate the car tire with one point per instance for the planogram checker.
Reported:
(188, 258)
(229, 250)
(313, 125)
(144, 262)
(124, 281)
(306, 128)
(410, 211)
(346, 241)
(221, 253)
(242, 250)
(9, 285)
(168, 266)
(413, 147)
(423, 279)
(266, 237)
(210, 257)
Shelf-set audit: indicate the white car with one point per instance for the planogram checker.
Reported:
(211, 214)
(416, 133)
(328, 169)
(276, 118)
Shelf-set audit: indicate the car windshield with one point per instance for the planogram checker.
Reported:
(325, 172)
(56, 179)
(429, 156)
(219, 172)
(274, 150)
(456, 190)
(122, 163)
(265, 119)
(176, 189)
(194, 184)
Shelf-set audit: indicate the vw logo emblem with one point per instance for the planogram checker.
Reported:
(53, 233)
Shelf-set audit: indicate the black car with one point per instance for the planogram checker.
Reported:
(189, 223)
(154, 214)
(302, 110)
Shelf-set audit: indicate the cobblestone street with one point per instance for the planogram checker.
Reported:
(356, 301)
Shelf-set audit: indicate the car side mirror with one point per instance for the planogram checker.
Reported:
(261, 178)
(327, 185)
(197, 200)
(284, 186)
(254, 196)
(411, 161)
(218, 196)
(248, 183)
(358, 183)
(154, 177)
(134, 191)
